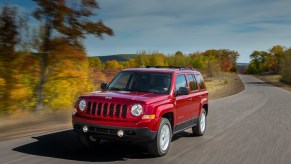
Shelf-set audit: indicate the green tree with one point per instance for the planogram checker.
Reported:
(180, 59)
(198, 61)
(259, 61)
(286, 67)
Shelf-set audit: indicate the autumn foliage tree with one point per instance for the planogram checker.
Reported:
(267, 61)
(8, 56)
(69, 20)
(68, 75)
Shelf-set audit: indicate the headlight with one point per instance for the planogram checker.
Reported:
(136, 110)
(82, 105)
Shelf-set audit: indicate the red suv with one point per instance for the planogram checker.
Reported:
(144, 105)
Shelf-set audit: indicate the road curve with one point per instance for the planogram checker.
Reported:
(253, 126)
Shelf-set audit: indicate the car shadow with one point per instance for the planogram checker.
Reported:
(183, 134)
(65, 145)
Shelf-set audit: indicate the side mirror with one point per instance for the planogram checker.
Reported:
(183, 91)
(103, 85)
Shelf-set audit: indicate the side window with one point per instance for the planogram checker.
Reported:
(192, 82)
(201, 82)
(181, 82)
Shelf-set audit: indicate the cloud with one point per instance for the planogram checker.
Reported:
(194, 25)
(189, 25)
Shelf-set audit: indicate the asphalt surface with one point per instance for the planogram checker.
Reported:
(253, 127)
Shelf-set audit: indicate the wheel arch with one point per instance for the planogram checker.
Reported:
(205, 106)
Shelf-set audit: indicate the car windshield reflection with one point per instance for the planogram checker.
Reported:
(142, 82)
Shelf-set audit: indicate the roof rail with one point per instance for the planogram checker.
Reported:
(171, 67)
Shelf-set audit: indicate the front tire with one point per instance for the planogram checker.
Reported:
(161, 144)
(89, 142)
(200, 128)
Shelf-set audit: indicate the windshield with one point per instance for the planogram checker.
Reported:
(142, 82)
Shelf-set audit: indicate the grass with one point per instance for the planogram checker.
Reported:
(225, 84)
(274, 80)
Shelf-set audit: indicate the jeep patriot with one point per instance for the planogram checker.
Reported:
(147, 105)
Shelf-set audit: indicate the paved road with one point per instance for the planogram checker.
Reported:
(253, 127)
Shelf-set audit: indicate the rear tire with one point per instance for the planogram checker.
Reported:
(200, 128)
(89, 142)
(161, 144)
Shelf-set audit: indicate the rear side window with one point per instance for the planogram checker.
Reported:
(201, 82)
(181, 82)
(192, 82)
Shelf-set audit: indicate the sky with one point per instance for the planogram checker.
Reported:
(189, 26)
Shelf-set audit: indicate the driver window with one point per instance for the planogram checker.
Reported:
(181, 82)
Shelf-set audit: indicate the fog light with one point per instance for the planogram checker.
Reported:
(85, 128)
(120, 133)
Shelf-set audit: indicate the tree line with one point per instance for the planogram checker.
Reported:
(46, 66)
(277, 60)
(211, 61)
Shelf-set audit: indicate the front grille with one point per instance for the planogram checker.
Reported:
(104, 110)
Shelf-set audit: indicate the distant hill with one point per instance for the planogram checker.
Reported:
(118, 57)
(242, 66)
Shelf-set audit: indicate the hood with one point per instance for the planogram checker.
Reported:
(142, 97)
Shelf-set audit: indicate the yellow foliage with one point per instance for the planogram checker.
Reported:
(68, 76)
(113, 64)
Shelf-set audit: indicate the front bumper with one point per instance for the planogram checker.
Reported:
(110, 132)
(141, 131)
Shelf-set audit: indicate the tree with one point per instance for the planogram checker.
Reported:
(213, 66)
(278, 52)
(95, 62)
(68, 75)
(198, 61)
(228, 59)
(112, 64)
(71, 20)
(180, 59)
(258, 61)
(8, 41)
(286, 67)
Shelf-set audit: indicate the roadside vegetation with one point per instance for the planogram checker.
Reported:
(46, 67)
(273, 66)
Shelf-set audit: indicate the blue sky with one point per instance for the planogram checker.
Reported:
(188, 25)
